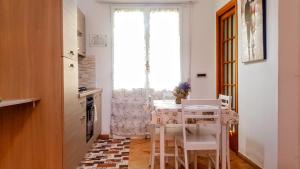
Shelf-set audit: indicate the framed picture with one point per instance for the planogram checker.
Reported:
(253, 30)
(97, 40)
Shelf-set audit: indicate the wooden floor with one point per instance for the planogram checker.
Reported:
(140, 151)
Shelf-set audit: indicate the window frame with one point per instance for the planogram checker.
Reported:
(145, 7)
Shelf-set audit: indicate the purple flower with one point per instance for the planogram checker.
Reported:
(185, 86)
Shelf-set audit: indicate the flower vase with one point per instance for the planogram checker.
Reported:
(178, 99)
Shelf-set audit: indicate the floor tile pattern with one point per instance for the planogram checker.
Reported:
(107, 154)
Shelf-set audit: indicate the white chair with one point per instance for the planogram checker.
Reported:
(226, 103)
(205, 136)
(171, 131)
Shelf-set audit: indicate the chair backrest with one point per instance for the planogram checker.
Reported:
(225, 101)
(201, 110)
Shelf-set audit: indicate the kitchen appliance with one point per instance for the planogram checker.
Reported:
(90, 116)
(82, 89)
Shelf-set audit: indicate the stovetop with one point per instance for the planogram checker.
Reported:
(82, 89)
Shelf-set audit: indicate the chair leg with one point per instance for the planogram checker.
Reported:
(152, 156)
(217, 159)
(195, 160)
(209, 164)
(150, 160)
(167, 160)
(228, 162)
(176, 155)
(186, 162)
(228, 153)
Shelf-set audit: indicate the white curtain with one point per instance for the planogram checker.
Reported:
(146, 62)
(129, 50)
(164, 53)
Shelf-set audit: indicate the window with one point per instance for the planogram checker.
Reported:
(146, 48)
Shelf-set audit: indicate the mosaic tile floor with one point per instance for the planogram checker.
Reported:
(107, 154)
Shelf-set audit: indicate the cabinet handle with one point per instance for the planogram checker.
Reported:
(96, 113)
(72, 52)
(71, 65)
(82, 118)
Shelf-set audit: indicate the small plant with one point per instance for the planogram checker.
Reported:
(181, 91)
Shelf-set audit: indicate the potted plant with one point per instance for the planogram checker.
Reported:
(181, 91)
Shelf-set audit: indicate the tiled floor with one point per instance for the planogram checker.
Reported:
(114, 154)
(107, 154)
(140, 151)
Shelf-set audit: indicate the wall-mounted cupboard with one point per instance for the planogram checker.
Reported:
(81, 33)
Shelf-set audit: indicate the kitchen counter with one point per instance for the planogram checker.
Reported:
(89, 92)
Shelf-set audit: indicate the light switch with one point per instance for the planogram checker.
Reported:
(201, 75)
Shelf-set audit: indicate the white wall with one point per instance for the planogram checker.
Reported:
(289, 85)
(202, 49)
(258, 97)
(98, 21)
(257, 82)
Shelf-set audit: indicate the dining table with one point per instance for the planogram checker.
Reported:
(165, 112)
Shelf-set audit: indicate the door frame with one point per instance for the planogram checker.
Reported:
(221, 12)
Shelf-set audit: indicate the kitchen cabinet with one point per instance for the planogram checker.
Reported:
(74, 122)
(70, 29)
(74, 116)
(81, 35)
(82, 127)
(97, 102)
(96, 94)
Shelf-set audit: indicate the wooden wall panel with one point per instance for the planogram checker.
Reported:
(31, 66)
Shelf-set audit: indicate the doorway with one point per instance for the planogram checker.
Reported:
(227, 60)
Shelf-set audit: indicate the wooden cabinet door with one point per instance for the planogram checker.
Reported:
(73, 138)
(81, 33)
(97, 101)
(70, 46)
(80, 21)
(82, 128)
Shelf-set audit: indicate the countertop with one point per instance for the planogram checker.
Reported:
(89, 92)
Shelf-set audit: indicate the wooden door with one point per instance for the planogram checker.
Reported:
(227, 60)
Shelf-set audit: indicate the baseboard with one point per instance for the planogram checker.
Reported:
(103, 136)
(255, 166)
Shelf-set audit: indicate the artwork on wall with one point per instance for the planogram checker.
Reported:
(97, 40)
(253, 36)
